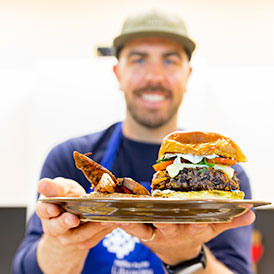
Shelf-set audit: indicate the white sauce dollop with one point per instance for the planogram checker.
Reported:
(192, 158)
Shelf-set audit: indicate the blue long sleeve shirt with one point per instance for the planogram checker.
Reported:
(135, 160)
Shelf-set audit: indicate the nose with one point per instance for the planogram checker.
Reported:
(154, 73)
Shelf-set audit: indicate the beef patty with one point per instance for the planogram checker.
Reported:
(195, 179)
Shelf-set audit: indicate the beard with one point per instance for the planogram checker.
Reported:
(152, 118)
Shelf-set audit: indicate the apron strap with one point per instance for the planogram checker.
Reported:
(112, 147)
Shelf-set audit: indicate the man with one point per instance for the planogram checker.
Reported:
(153, 69)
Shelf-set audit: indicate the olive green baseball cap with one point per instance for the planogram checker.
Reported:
(154, 23)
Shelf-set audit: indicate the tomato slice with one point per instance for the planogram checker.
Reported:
(224, 161)
(162, 165)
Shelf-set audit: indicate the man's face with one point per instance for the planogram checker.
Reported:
(153, 73)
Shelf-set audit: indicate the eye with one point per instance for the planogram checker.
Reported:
(139, 60)
(172, 59)
(169, 61)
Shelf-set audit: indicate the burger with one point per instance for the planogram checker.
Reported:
(197, 165)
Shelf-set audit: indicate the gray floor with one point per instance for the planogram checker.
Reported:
(12, 228)
(265, 224)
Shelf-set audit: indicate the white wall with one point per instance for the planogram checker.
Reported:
(53, 87)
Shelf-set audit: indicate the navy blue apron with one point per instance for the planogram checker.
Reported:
(119, 252)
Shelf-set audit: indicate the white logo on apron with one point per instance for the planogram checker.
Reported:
(120, 243)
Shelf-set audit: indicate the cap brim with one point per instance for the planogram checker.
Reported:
(187, 43)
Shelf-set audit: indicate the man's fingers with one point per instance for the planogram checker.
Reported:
(61, 224)
(82, 233)
(196, 229)
(243, 220)
(140, 231)
(49, 188)
(96, 238)
(47, 210)
(60, 187)
(169, 230)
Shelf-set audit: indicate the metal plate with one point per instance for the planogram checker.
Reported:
(154, 210)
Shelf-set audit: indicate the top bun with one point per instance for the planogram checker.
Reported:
(201, 143)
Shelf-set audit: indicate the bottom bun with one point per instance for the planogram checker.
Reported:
(203, 194)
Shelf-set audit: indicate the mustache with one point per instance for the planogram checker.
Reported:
(152, 88)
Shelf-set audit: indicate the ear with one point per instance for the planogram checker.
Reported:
(189, 72)
(115, 70)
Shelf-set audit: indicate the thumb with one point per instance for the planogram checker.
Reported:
(60, 187)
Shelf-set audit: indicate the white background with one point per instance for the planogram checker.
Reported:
(53, 86)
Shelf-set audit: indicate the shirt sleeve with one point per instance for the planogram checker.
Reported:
(233, 247)
(58, 163)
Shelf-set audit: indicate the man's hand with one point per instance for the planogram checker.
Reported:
(186, 239)
(65, 239)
